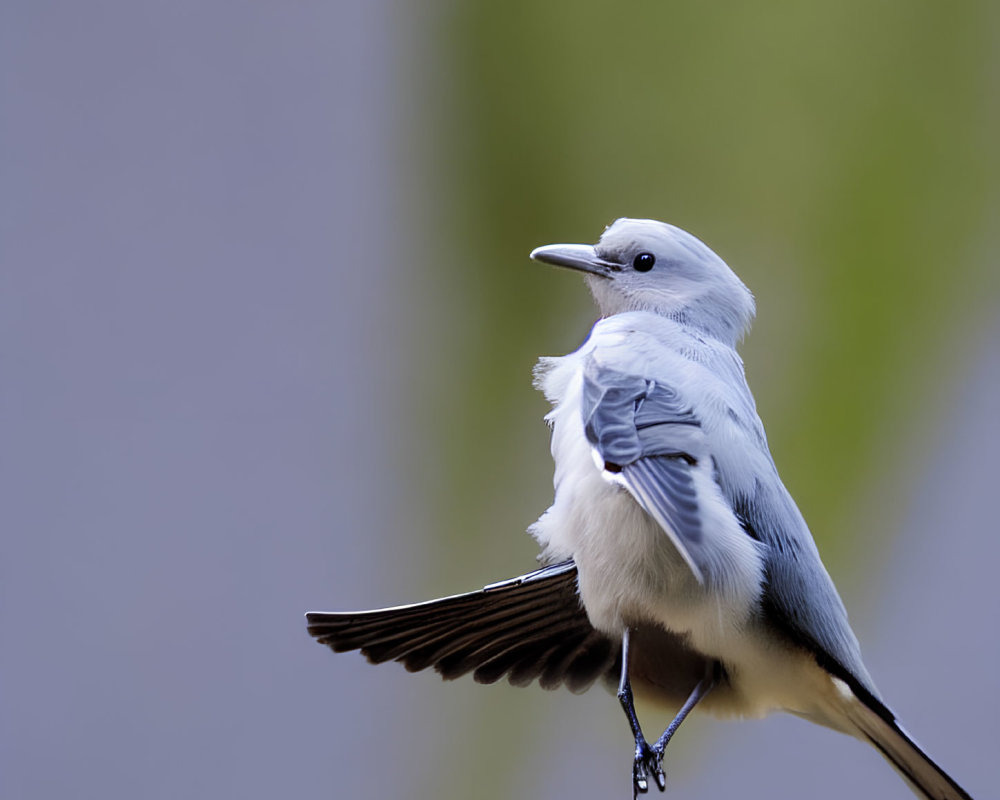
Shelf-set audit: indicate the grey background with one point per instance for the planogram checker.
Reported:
(213, 315)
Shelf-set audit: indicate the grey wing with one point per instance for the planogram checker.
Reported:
(528, 628)
(651, 441)
(799, 597)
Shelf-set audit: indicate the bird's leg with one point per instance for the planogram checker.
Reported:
(645, 758)
(710, 680)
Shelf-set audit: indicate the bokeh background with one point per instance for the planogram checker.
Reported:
(267, 325)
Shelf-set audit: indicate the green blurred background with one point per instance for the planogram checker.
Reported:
(842, 158)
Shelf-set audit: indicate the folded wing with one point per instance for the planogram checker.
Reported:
(650, 441)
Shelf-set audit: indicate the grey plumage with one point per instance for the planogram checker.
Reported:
(671, 534)
(645, 434)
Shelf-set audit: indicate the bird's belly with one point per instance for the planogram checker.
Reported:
(630, 572)
(631, 576)
(760, 676)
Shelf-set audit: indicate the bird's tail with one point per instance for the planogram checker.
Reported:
(528, 628)
(878, 725)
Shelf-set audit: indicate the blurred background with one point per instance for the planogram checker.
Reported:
(267, 326)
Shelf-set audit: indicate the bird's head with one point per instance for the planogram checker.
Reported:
(645, 265)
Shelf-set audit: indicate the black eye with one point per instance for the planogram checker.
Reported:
(643, 262)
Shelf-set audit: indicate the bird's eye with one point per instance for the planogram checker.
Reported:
(643, 262)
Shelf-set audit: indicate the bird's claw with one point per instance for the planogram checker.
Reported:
(647, 762)
(639, 783)
(659, 775)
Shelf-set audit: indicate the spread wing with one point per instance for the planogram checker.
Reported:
(648, 439)
(528, 628)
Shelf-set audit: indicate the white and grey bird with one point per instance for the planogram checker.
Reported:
(677, 561)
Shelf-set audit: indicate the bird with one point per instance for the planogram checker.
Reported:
(674, 560)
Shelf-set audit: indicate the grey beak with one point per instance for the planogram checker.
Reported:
(575, 256)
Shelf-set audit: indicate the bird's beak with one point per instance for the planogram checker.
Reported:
(576, 256)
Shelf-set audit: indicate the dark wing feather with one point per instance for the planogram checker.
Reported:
(529, 628)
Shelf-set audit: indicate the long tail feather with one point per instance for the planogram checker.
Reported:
(878, 724)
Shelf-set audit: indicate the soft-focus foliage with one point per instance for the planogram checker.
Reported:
(841, 158)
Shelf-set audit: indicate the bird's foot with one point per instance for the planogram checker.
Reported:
(648, 761)
(655, 763)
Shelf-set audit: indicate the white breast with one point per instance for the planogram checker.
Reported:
(630, 572)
